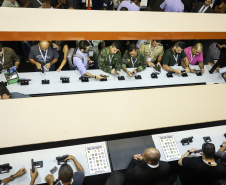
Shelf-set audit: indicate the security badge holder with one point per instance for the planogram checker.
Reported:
(184, 74)
(45, 81)
(104, 77)
(23, 81)
(84, 78)
(65, 79)
(169, 74)
(137, 77)
(154, 75)
(207, 139)
(5, 168)
(198, 72)
(121, 78)
(61, 159)
(37, 164)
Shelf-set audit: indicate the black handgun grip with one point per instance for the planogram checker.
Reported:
(42, 67)
(32, 165)
(60, 158)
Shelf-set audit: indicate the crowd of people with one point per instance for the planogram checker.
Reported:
(147, 168)
(111, 57)
(199, 6)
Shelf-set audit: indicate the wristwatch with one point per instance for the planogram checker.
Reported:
(12, 178)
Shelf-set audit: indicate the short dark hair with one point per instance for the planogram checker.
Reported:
(83, 44)
(65, 173)
(124, 9)
(158, 41)
(131, 47)
(116, 44)
(180, 44)
(47, 2)
(1, 46)
(209, 150)
(4, 90)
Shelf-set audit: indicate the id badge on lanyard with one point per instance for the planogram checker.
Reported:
(2, 62)
(175, 57)
(133, 61)
(44, 58)
(110, 58)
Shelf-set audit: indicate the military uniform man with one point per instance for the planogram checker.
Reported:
(133, 58)
(109, 59)
(153, 51)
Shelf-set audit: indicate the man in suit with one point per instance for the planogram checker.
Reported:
(147, 169)
(203, 7)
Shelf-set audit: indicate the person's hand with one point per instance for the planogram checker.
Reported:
(58, 70)
(224, 143)
(138, 157)
(202, 70)
(129, 73)
(113, 71)
(134, 71)
(158, 64)
(39, 66)
(91, 61)
(99, 77)
(178, 71)
(69, 157)
(35, 174)
(187, 70)
(192, 71)
(48, 65)
(118, 72)
(55, 46)
(22, 171)
(62, 1)
(50, 179)
(193, 150)
(150, 64)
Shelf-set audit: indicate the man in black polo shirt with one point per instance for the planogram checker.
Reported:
(173, 56)
(43, 55)
(147, 169)
(201, 170)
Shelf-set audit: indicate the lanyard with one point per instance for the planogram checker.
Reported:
(192, 57)
(15, 5)
(133, 61)
(44, 58)
(2, 62)
(153, 50)
(175, 57)
(110, 58)
(39, 2)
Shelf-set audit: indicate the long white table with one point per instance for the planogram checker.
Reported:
(112, 83)
(216, 134)
(48, 156)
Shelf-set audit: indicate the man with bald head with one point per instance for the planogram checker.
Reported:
(43, 55)
(147, 169)
(195, 56)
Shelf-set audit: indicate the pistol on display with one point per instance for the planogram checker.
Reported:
(5, 168)
(61, 159)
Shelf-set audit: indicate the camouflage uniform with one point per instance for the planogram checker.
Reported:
(140, 61)
(104, 60)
